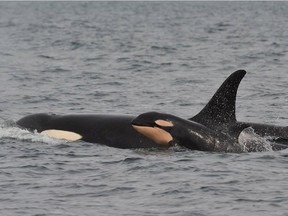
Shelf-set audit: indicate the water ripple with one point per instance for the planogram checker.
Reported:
(134, 57)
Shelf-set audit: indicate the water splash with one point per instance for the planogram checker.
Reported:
(253, 142)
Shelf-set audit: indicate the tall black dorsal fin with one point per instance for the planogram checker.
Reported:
(220, 109)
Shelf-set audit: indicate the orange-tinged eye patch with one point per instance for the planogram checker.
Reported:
(158, 135)
(164, 123)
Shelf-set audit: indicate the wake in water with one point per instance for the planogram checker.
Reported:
(8, 129)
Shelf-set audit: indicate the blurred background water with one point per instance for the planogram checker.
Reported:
(130, 58)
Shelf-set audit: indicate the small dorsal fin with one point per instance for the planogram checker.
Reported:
(220, 110)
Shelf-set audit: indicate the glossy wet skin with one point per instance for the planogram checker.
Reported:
(182, 132)
(216, 117)
(195, 136)
(111, 130)
(153, 128)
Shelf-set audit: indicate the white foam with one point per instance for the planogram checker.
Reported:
(13, 132)
(250, 140)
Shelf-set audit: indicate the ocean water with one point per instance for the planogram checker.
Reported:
(130, 58)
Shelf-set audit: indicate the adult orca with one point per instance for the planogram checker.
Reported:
(219, 113)
(166, 129)
(110, 130)
(215, 127)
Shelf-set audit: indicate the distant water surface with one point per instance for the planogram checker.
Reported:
(130, 58)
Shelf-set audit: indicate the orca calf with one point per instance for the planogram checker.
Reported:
(166, 129)
(189, 134)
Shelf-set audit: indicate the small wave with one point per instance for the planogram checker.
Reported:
(132, 159)
(10, 131)
(46, 57)
(166, 49)
(55, 70)
(76, 45)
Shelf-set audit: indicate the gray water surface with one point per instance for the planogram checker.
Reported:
(130, 58)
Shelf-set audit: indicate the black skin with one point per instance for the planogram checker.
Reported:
(190, 134)
(110, 130)
(196, 136)
(219, 113)
(219, 116)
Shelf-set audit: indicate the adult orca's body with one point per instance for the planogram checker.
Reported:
(219, 113)
(215, 128)
(110, 130)
(117, 131)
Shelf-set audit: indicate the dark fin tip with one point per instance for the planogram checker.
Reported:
(221, 107)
